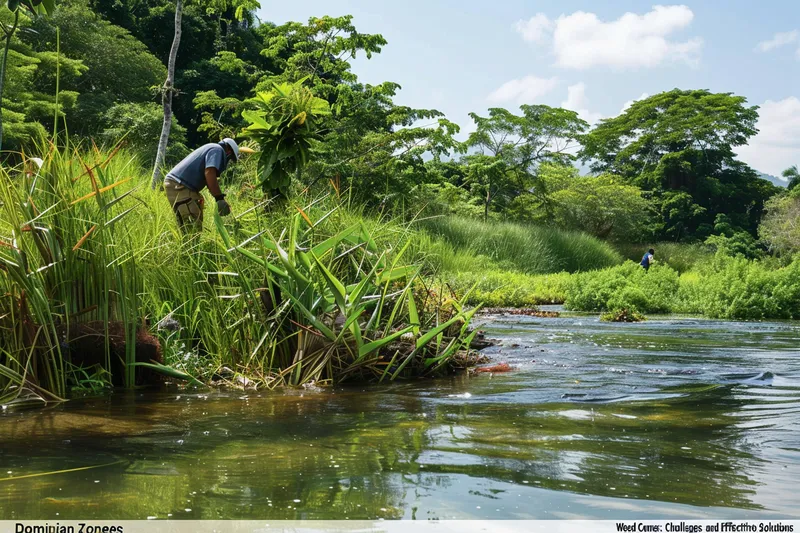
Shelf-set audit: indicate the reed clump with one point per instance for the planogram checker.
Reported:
(309, 291)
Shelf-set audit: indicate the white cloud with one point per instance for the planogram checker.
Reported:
(778, 40)
(581, 40)
(525, 90)
(777, 145)
(536, 29)
(577, 101)
(629, 103)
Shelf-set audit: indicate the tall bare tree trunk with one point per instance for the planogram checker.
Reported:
(9, 33)
(166, 97)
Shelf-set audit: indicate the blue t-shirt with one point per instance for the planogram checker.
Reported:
(191, 172)
(648, 257)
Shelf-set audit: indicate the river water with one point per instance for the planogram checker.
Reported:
(668, 418)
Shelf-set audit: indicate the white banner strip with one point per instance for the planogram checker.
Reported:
(400, 526)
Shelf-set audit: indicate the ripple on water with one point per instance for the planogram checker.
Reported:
(685, 417)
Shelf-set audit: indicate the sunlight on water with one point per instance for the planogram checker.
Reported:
(597, 421)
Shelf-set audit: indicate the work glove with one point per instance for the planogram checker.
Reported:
(222, 207)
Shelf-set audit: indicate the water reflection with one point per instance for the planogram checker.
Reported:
(599, 421)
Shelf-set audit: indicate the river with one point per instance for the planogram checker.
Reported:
(673, 417)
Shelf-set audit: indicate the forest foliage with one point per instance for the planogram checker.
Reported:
(663, 170)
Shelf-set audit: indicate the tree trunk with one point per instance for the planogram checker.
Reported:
(166, 98)
(9, 34)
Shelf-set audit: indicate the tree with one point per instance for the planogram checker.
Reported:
(511, 147)
(168, 89)
(321, 50)
(489, 178)
(379, 148)
(140, 125)
(166, 98)
(680, 145)
(35, 7)
(603, 206)
(228, 74)
(32, 105)
(117, 67)
(780, 227)
(793, 175)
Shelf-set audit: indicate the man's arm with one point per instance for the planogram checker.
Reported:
(213, 186)
(212, 182)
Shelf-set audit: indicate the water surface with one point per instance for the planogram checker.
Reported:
(669, 418)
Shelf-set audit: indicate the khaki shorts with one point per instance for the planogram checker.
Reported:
(186, 204)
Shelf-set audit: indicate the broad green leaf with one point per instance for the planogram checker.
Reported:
(334, 284)
(380, 343)
(428, 337)
(170, 372)
(320, 249)
(396, 273)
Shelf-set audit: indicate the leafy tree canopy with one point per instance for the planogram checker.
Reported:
(119, 68)
(680, 145)
(509, 149)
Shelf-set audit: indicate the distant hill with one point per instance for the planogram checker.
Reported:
(774, 179)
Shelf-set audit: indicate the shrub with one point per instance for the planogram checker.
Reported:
(780, 227)
(726, 287)
(499, 288)
(625, 286)
(742, 289)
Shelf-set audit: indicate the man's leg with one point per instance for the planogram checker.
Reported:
(186, 204)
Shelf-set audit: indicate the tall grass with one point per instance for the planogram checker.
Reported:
(66, 257)
(460, 244)
(312, 290)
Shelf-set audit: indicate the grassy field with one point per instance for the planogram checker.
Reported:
(456, 244)
(505, 264)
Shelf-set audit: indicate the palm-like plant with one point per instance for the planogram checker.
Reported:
(793, 175)
(284, 122)
(349, 309)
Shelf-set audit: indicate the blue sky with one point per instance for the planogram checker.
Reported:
(590, 56)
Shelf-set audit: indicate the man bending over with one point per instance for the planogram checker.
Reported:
(200, 169)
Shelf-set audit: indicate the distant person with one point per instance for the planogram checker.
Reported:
(200, 169)
(647, 260)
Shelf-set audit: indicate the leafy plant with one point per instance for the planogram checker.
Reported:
(34, 6)
(329, 326)
(284, 122)
(622, 315)
(39, 7)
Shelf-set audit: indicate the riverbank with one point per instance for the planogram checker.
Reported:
(95, 270)
(722, 287)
